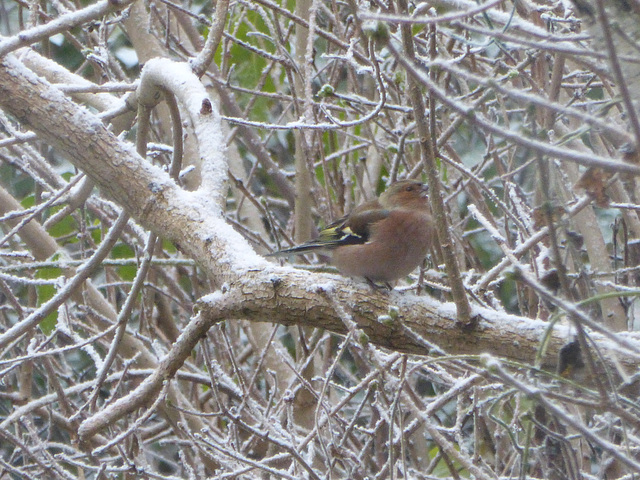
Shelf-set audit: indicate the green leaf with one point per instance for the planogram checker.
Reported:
(28, 201)
(46, 293)
(66, 226)
(127, 272)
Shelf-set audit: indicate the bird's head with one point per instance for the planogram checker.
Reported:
(405, 194)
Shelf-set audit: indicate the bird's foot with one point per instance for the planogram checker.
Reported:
(375, 286)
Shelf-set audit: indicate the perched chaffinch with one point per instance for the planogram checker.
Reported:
(383, 239)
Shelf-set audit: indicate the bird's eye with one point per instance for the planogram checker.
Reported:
(409, 188)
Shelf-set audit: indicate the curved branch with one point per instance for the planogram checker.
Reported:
(417, 325)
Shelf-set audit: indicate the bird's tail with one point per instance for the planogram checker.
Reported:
(298, 249)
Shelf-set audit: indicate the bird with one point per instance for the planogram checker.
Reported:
(381, 240)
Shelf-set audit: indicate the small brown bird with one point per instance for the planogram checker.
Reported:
(381, 240)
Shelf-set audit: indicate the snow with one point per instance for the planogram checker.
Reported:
(521, 210)
(495, 234)
(490, 362)
(178, 78)
(447, 309)
(493, 319)
(213, 297)
(406, 300)
(221, 376)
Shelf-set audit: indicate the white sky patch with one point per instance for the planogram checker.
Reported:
(57, 39)
(127, 56)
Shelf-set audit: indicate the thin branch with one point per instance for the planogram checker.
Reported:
(61, 24)
(87, 269)
(205, 57)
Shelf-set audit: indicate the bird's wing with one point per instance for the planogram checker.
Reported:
(357, 227)
(352, 229)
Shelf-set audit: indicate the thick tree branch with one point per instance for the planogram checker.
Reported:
(401, 322)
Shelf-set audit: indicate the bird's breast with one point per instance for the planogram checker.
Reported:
(395, 248)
